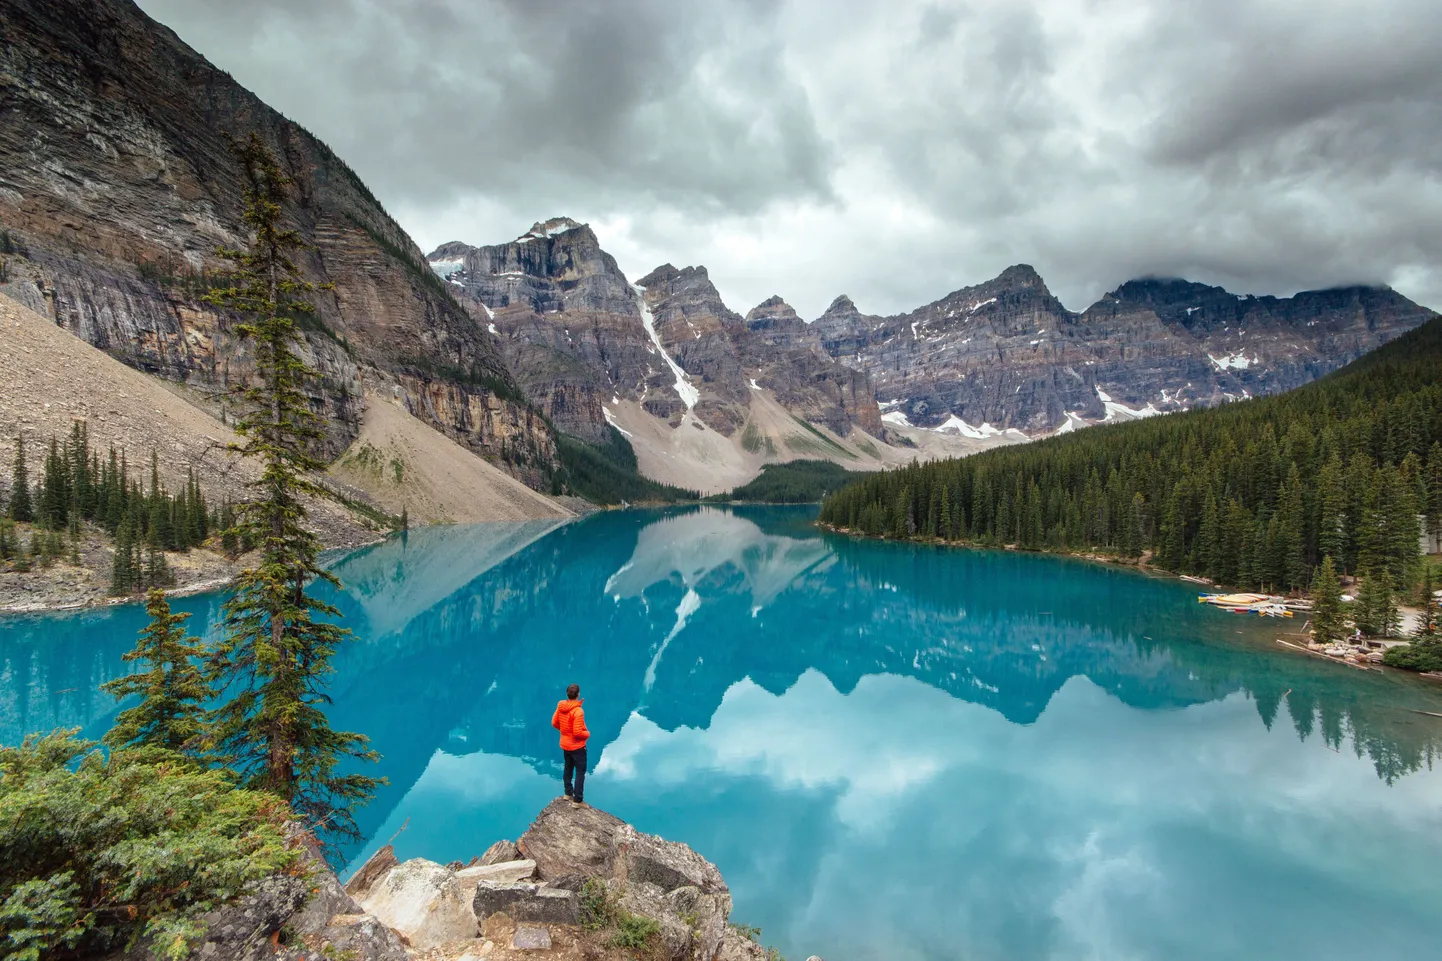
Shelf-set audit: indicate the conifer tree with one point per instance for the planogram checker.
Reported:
(275, 653)
(171, 713)
(1428, 627)
(1434, 490)
(20, 506)
(1377, 605)
(1328, 626)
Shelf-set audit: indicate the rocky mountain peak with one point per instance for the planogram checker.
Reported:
(772, 312)
(1020, 276)
(543, 229)
(669, 274)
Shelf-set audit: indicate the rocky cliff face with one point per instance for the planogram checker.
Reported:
(579, 335)
(116, 179)
(1007, 354)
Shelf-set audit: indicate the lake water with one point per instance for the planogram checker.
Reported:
(891, 751)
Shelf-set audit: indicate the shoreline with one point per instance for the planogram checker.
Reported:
(66, 588)
(1142, 567)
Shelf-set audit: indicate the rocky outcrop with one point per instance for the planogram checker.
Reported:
(581, 865)
(116, 179)
(1007, 354)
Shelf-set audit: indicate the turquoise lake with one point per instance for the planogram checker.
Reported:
(891, 751)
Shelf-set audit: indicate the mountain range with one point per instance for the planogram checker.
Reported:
(116, 186)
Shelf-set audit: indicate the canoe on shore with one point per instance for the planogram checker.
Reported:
(1263, 605)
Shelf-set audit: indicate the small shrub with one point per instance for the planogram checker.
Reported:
(600, 912)
(597, 908)
(97, 852)
(1421, 655)
(633, 931)
(748, 931)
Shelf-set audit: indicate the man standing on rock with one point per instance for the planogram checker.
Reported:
(570, 720)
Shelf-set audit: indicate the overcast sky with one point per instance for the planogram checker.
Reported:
(893, 151)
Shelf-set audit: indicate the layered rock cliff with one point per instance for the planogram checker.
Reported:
(117, 184)
(580, 336)
(1007, 354)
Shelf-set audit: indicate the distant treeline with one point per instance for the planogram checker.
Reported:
(78, 487)
(608, 474)
(1253, 494)
(795, 482)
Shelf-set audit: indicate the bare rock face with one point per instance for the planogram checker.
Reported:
(1008, 354)
(574, 332)
(377, 866)
(116, 178)
(505, 871)
(790, 359)
(636, 857)
(424, 902)
(569, 322)
(735, 946)
(522, 901)
(498, 853)
(332, 921)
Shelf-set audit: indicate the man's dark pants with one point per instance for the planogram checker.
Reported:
(576, 763)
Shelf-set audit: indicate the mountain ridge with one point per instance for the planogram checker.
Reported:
(1006, 357)
(1149, 346)
(117, 184)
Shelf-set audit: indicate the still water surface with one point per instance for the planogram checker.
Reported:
(890, 751)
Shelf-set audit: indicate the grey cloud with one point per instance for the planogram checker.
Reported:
(892, 151)
(435, 98)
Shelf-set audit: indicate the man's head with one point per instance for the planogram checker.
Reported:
(574, 691)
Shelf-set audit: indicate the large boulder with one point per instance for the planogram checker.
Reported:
(424, 902)
(526, 902)
(241, 930)
(567, 838)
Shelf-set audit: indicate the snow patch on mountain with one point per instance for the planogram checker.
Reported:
(444, 267)
(1236, 361)
(896, 417)
(684, 388)
(1118, 411)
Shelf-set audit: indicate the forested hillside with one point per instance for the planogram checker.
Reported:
(1252, 494)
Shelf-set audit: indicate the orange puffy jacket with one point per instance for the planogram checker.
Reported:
(570, 720)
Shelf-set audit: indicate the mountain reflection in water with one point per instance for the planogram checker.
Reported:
(890, 750)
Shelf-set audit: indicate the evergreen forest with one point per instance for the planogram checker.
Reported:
(77, 487)
(1253, 494)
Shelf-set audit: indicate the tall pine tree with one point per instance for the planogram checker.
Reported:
(20, 505)
(1328, 626)
(274, 657)
(171, 712)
